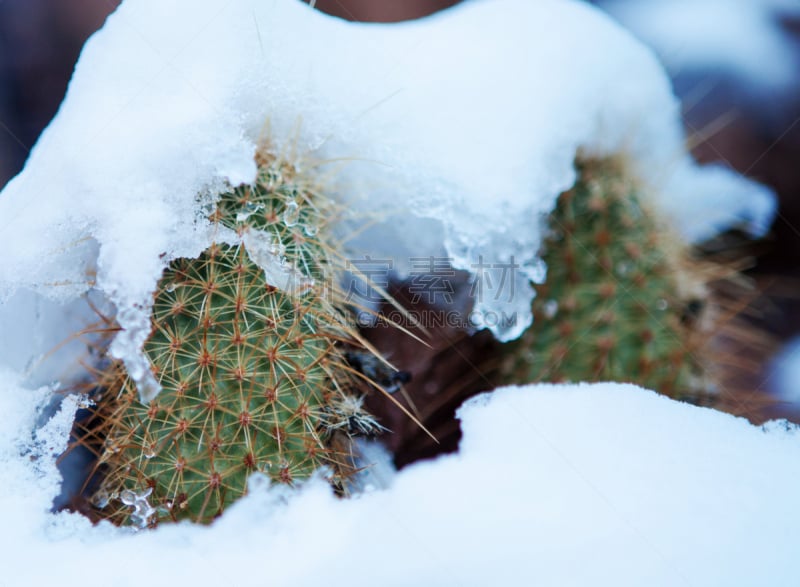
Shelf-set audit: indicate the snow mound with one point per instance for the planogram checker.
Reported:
(458, 130)
(602, 484)
(742, 37)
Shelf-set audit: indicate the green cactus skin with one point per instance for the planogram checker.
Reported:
(252, 376)
(620, 302)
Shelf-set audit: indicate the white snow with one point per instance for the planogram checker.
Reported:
(742, 37)
(554, 485)
(785, 372)
(462, 128)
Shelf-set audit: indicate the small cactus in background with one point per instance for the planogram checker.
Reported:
(253, 376)
(622, 300)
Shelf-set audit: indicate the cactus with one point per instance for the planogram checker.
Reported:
(253, 377)
(622, 300)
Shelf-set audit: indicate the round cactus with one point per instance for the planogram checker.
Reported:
(621, 301)
(253, 376)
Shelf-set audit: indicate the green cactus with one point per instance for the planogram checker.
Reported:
(253, 378)
(621, 301)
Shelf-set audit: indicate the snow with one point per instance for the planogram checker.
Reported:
(602, 484)
(461, 128)
(742, 37)
(785, 372)
(458, 131)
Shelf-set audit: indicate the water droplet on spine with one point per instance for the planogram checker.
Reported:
(292, 213)
(550, 308)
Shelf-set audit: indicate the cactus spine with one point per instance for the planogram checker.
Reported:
(252, 376)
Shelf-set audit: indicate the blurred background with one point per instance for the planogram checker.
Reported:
(735, 65)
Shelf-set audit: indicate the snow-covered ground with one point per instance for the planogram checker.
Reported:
(464, 127)
(574, 485)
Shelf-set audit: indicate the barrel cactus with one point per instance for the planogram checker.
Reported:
(622, 301)
(253, 377)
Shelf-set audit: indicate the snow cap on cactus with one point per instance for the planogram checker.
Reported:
(133, 145)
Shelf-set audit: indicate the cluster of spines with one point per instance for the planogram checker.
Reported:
(615, 305)
(252, 376)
